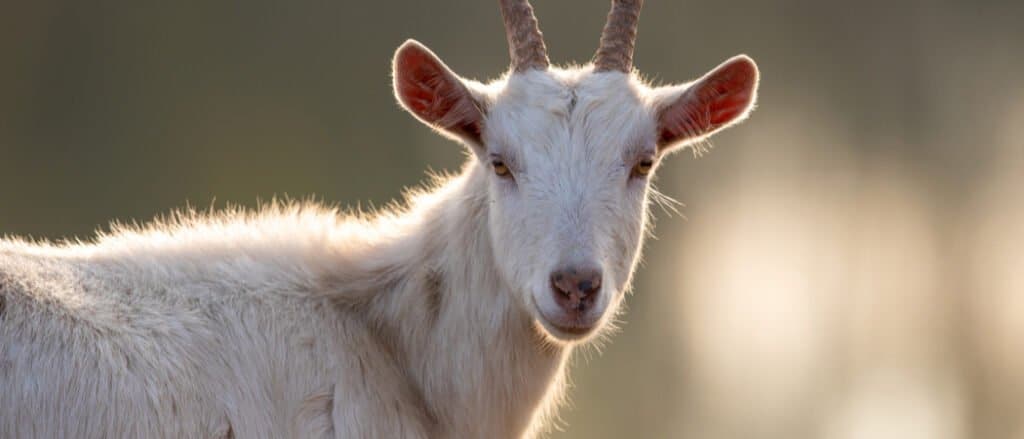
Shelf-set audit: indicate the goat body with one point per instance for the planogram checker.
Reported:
(291, 322)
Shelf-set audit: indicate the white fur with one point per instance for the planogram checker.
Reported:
(572, 201)
(428, 320)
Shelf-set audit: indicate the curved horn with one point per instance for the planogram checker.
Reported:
(525, 42)
(618, 37)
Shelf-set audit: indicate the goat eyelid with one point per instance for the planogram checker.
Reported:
(500, 166)
(643, 166)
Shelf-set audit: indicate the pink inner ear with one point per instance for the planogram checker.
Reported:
(430, 91)
(715, 101)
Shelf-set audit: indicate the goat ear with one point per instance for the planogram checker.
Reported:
(720, 98)
(435, 95)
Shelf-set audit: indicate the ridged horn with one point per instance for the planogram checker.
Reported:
(619, 37)
(525, 41)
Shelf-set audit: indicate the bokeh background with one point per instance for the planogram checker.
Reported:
(849, 262)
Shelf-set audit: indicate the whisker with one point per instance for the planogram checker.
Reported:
(668, 204)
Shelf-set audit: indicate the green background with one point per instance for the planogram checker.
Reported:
(849, 261)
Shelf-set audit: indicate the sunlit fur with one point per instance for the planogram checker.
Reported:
(423, 320)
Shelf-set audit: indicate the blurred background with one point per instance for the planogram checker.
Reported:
(849, 262)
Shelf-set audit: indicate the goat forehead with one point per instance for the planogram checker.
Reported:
(565, 116)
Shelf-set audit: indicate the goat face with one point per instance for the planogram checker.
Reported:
(568, 155)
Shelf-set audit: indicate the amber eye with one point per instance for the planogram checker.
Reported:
(643, 167)
(500, 168)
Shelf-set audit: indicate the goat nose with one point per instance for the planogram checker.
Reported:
(575, 288)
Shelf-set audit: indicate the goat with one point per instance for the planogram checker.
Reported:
(452, 316)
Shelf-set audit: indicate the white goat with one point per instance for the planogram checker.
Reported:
(450, 318)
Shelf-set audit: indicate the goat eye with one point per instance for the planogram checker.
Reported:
(500, 168)
(642, 168)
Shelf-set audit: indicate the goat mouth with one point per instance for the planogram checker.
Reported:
(576, 330)
(567, 328)
(566, 333)
(571, 328)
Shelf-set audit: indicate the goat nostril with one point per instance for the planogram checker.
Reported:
(586, 286)
(556, 284)
(590, 286)
(576, 284)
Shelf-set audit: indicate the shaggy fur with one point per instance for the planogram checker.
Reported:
(436, 319)
(292, 322)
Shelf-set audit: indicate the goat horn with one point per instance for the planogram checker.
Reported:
(525, 41)
(618, 37)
